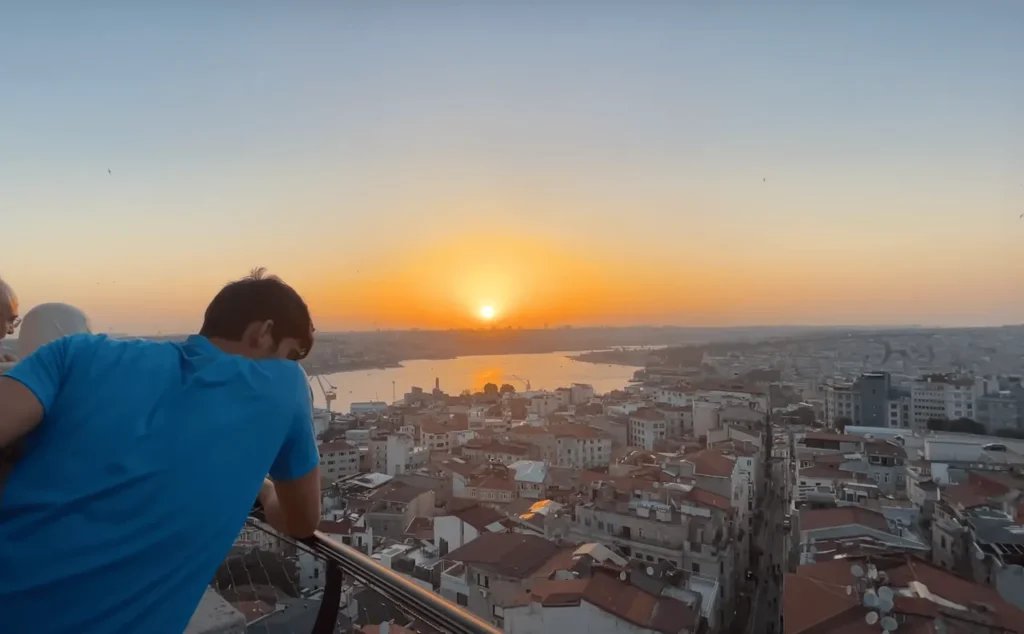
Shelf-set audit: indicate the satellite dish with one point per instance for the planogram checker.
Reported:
(885, 592)
(871, 618)
(890, 623)
(885, 605)
(870, 599)
(856, 571)
(650, 571)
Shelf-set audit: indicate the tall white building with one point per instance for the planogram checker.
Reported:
(942, 396)
(646, 427)
(840, 402)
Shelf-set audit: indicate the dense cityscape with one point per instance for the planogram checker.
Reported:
(433, 317)
(782, 485)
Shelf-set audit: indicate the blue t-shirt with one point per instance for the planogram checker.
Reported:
(134, 486)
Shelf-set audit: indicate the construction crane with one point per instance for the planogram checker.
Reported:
(330, 392)
(521, 380)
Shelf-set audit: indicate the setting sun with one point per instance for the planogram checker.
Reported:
(487, 312)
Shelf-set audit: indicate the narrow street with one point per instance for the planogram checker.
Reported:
(765, 615)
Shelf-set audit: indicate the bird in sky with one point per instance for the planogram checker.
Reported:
(108, 171)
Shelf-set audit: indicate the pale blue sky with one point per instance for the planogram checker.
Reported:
(318, 141)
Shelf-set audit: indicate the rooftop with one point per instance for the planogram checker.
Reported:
(816, 600)
(818, 519)
(710, 462)
(508, 554)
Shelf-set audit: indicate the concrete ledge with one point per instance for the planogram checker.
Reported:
(214, 615)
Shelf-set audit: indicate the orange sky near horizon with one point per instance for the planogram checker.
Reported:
(694, 164)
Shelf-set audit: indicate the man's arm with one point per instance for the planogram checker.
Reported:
(28, 390)
(293, 507)
(292, 499)
(20, 411)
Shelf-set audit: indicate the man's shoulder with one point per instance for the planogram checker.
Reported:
(287, 372)
(106, 343)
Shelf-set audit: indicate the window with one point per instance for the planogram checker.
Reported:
(461, 599)
(482, 581)
(695, 567)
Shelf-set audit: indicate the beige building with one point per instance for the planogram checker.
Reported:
(338, 459)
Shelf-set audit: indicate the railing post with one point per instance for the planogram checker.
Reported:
(327, 617)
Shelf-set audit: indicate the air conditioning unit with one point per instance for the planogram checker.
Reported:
(484, 592)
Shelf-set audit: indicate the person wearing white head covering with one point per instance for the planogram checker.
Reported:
(49, 322)
(46, 323)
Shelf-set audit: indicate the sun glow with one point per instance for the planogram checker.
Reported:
(487, 312)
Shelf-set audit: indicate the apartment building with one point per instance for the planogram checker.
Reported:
(646, 427)
(338, 459)
(662, 523)
(599, 592)
(943, 396)
(491, 572)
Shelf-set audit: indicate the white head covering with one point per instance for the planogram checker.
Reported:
(49, 322)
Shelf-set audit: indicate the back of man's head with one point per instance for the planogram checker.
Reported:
(258, 304)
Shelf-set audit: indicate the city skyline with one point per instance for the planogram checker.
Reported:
(405, 168)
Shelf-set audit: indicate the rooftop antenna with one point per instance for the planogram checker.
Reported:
(876, 597)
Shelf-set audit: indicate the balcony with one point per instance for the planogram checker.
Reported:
(272, 583)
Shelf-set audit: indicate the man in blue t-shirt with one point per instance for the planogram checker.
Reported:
(140, 461)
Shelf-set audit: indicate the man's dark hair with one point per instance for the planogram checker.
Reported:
(259, 297)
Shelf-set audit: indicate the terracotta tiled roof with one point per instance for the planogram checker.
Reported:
(580, 432)
(479, 517)
(443, 427)
(493, 446)
(508, 554)
(605, 591)
(825, 472)
(647, 414)
(807, 602)
(335, 446)
(703, 497)
(421, 528)
(815, 599)
(885, 449)
(963, 496)
(816, 519)
(709, 462)
(344, 527)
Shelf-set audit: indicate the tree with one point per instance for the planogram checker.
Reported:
(490, 389)
(967, 426)
(507, 388)
(937, 424)
(960, 425)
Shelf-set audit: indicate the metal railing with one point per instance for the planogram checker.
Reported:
(346, 564)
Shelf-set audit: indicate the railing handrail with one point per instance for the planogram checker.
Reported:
(413, 599)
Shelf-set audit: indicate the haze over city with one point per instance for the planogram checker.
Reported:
(450, 165)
